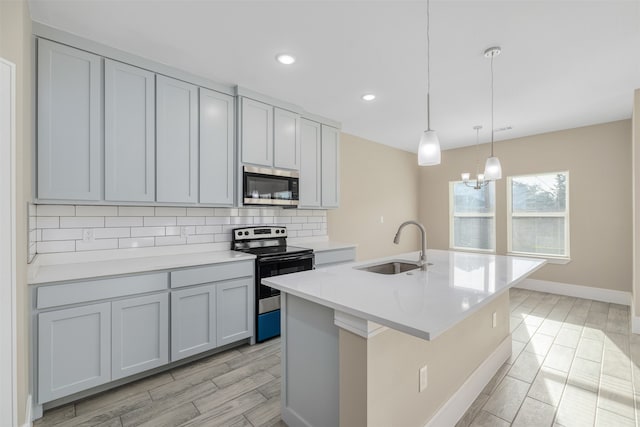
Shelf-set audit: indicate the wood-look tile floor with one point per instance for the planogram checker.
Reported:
(574, 363)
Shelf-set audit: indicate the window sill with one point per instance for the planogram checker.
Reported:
(550, 260)
(474, 251)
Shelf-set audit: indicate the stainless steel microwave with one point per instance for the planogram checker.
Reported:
(270, 187)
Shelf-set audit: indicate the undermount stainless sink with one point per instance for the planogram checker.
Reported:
(391, 267)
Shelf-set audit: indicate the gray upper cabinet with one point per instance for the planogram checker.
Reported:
(193, 321)
(140, 339)
(234, 303)
(257, 132)
(330, 167)
(216, 148)
(176, 141)
(74, 350)
(129, 133)
(310, 178)
(69, 125)
(286, 139)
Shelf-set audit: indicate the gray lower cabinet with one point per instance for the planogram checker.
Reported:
(193, 321)
(129, 133)
(69, 129)
(140, 334)
(330, 167)
(74, 350)
(216, 148)
(310, 178)
(176, 141)
(234, 313)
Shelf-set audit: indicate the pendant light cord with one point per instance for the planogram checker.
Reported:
(428, 72)
(492, 105)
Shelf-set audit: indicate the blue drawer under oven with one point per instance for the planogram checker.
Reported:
(268, 325)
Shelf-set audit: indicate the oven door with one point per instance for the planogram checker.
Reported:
(269, 298)
(272, 187)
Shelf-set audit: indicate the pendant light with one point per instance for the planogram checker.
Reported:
(429, 148)
(492, 168)
(480, 180)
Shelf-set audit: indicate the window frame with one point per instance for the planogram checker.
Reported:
(452, 217)
(556, 259)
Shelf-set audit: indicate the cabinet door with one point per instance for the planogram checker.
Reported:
(193, 321)
(286, 139)
(257, 133)
(129, 133)
(330, 167)
(234, 314)
(69, 123)
(216, 148)
(310, 177)
(176, 141)
(74, 350)
(140, 340)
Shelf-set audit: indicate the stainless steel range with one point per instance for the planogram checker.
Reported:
(274, 258)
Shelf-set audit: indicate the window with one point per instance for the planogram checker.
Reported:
(538, 214)
(473, 217)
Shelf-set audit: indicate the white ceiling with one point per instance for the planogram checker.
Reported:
(564, 64)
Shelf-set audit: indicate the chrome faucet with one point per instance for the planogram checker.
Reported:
(423, 253)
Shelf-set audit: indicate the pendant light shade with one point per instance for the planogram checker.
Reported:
(492, 169)
(429, 149)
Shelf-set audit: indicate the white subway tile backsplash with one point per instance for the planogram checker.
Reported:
(170, 240)
(200, 211)
(123, 221)
(55, 210)
(147, 231)
(201, 238)
(48, 222)
(141, 242)
(55, 246)
(136, 211)
(96, 211)
(61, 234)
(208, 229)
(217, 220)
(167, 211)
(81, 221)
(191, 220)
(95, 245)
(58, 228)
(111, 233)
(159, 221)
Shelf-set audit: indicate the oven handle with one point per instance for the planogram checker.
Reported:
(289, 258)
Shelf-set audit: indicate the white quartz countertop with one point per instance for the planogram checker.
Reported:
(322, 246)
(423, 303)
(95, 264)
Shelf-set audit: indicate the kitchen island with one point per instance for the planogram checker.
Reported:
(408, 349)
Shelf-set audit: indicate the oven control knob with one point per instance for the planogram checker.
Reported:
(277, 231)
(246, 233)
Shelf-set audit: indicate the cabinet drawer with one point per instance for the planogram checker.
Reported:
(94, 290)
(212, 273)
(335, 256)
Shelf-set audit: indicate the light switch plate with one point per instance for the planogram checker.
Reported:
(495, 319)
(423, 378)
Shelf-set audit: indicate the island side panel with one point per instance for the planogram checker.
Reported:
(310, 364)
(393, 360)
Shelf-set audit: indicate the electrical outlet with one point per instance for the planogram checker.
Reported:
(423, 379)
(495, 319)
(381, 219)
(87, 235)
(183, 232)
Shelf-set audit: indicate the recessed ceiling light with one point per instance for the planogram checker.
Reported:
(285, 58)
(368, 97)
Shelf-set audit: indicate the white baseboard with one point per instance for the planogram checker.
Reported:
(451, 412)
(588, 292)
(28, 416)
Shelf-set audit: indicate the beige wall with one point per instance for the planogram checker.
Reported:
(392, 361)
(375, 180)
(635, 142)
(15, 46)
(598, 159)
